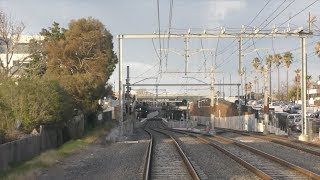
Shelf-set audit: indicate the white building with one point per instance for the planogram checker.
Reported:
(20, 55)
(314, 92)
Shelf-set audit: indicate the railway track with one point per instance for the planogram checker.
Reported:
(262, 164)
(300, 145)
(165, 159)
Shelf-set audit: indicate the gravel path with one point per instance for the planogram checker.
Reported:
(122, 160)
(210, 163)
(294, 156)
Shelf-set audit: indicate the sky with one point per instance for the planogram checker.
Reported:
(141, 17)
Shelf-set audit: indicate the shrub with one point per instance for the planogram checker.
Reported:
(35, 101)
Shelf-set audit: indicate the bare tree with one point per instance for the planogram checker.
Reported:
(10, 35)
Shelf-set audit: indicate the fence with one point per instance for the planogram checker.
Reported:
(26, 148)
(246, 122)
(48, 138)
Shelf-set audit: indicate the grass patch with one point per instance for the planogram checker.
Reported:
(50, 157)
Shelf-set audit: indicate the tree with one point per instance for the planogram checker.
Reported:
(10, 36)
(297, 80)
(287, 57)
(38, 65)
(81, 59)
(32, 102)
(294, 93)
(256, 63)
(277, 61)
(269, 61)
(309, 84)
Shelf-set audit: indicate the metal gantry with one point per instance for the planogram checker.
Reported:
(273, 34)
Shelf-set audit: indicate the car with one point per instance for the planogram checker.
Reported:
(294, 122)
(296, 109)
(315, 114)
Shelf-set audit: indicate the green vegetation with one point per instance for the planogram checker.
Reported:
(80, 58)
(30, 102)
(293, 94)
(69, 70)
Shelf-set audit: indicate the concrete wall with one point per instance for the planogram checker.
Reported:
(49, 137)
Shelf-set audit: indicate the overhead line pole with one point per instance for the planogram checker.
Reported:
(120, 38)
(240, 64)
(304, 135)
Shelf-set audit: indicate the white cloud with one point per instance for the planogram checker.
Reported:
(218, 10)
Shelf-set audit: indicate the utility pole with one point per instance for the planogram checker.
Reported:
(304, 135)
(240, 70)
(270, 90)
(266, 103)
(186, 55)
(230, 85)
(120, 38)
(211, 131)
(245, 86)
(223, 87)
(127, 94)
(157, 92)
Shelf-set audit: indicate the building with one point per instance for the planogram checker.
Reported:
(313, 93)
(18, 60)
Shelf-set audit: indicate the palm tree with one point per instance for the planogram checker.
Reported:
(297, 81)
(287, 57)
(318, 49)
(256, 63)
(309, 83)
(277, 61)
(269, 60)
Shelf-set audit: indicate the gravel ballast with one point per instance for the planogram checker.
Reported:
(294, 156)
(121, 160)
(210, 163)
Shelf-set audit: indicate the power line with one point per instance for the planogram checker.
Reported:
(158, 8)
(268, 24)
(272, 18)
(291, 16)
(258, 13)
(227, 60)
(299, 12)
(169, 31)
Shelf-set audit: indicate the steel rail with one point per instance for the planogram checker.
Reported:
(268, 138)
(272, 136)
(244, 163)
(185, 159)
(256, 151)
(147, 165)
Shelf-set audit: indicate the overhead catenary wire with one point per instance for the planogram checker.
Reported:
(159, 31)
(227, 59)
(228, 46)
(169, 31)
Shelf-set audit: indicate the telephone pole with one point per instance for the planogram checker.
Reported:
(266, 103)
(211, 131)
(240, 70)
(186, 55)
